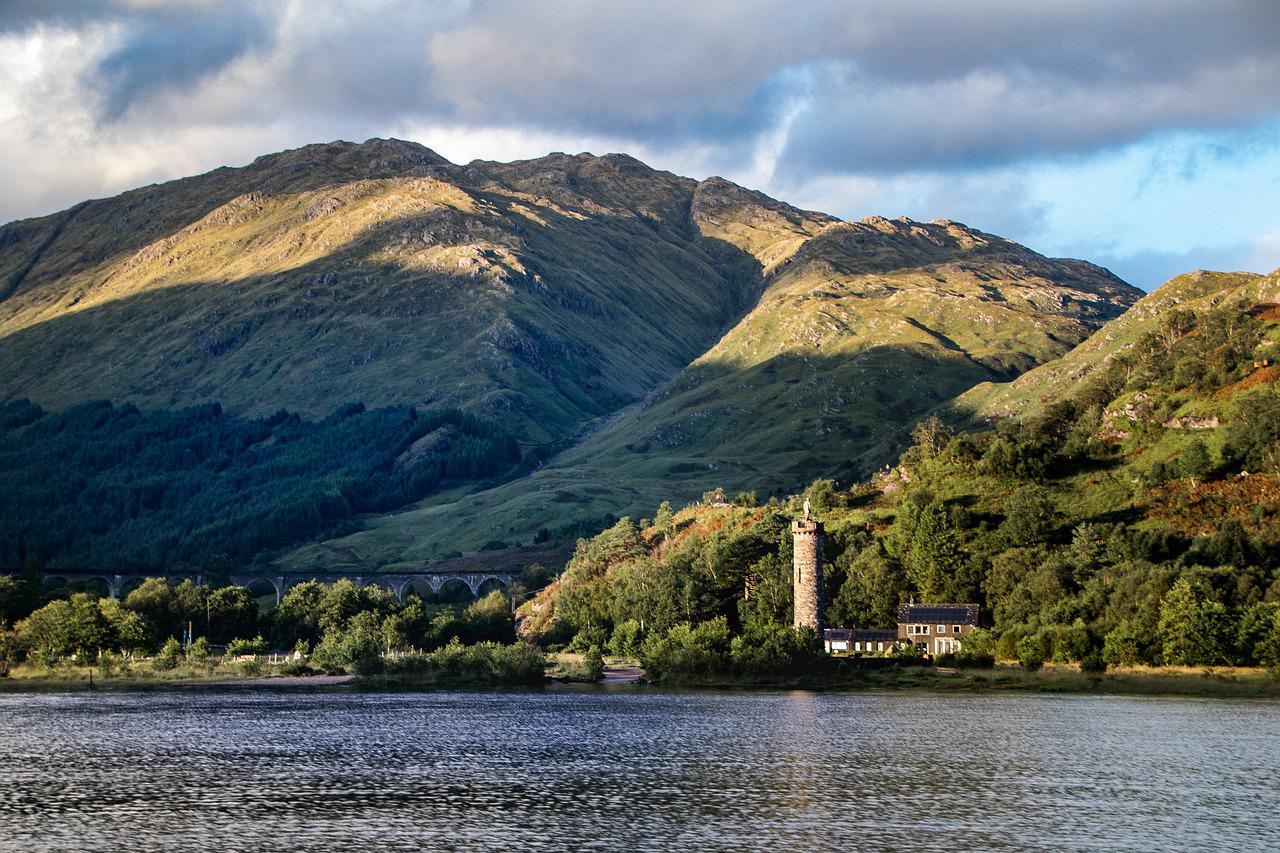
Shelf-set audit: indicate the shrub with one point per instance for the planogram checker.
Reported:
(167, 658)
(358, 646)
(111, 664)
(1194, 461)
(296, 667)
(1194, 629)
(1007, 646)
(200, 651)
(972, 660)
(588, 637)
(909, 652)
(1070, 643)
(626, 638)
(9, 647)
(482, 663)
(251, 667)
(1268, 650)
(686, 651)
(979, 642)
(593, 663)
(238, 647)
(1093, 662)
(776, 651)
(1120, 646)
(1030, 651)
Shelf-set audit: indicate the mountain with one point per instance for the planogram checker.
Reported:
(544, 293)
(642, 334)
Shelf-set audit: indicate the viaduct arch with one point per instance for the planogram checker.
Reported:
(397, 582)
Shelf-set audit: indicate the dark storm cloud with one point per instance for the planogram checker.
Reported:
(1083, 82)
(653, 70)
(161, 47)
(871, 87)
(175, 46)
(20, 15)
(861, 87)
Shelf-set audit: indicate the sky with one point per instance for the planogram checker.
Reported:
(1141, 135)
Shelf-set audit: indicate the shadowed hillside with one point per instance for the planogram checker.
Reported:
(643, 335)
(859, 331)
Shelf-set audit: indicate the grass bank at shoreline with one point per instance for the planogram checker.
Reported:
(1224, 682)
(31, 679)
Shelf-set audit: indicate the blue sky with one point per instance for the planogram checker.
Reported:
(1144, 135)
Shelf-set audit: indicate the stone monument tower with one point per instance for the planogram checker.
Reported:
(806, 562)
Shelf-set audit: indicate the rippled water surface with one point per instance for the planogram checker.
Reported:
(635, 770)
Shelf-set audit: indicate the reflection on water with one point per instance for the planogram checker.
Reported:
(635, 770)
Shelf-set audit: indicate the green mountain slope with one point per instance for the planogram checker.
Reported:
(860, 329)
(684, 334)
(1195, 291)
(545, 293)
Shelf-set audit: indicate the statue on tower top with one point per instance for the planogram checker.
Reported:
(806, 509)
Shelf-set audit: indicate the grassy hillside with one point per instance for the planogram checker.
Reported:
(667, 335)
(1131, 517)
(545, 293)
(861, 329)
(1196, 291)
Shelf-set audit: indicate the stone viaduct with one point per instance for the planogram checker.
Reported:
(397, 582)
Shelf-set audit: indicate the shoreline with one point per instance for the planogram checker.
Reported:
(1219, 682)
(42, 684)
(1223, 682)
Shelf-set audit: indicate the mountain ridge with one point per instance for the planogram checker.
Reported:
(665, 330)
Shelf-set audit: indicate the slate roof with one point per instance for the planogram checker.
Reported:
(938, 614)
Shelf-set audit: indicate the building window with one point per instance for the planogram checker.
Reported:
(942, 629)
(955, 628)
(879, 647)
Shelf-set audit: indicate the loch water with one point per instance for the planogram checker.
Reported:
(636, 769)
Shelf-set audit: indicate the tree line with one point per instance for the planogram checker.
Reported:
(336, 627)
